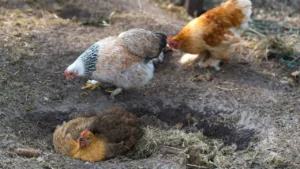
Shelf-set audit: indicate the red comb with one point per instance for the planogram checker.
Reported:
(84, 133)
(66, 73)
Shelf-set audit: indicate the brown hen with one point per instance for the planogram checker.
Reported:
(210, 35)
(98, 138)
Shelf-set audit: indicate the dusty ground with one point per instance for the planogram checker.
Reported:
(250, 107)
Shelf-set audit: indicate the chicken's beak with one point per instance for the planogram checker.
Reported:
(82, 144)
(171, 44)
(68, 77)
(168, 48)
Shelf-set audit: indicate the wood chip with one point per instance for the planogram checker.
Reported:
(27, 152)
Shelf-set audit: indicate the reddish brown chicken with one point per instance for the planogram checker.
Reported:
(210, 35)
(98, 138)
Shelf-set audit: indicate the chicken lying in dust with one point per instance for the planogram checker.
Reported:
(97, 138)
(125, 61)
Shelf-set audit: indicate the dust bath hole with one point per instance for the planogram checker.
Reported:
(205, 122)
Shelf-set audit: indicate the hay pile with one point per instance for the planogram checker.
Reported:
(197, 149)
(265, 47)
(153, 139)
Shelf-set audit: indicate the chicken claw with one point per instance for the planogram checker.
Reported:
(159, 59)
(91, 84)
(210, 62)
(215, 63)
(114, 92)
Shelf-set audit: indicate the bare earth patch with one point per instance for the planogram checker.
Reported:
(244, 116)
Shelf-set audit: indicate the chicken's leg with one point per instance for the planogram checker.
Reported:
(202, 63)
(91, 84)
(159, 59)
(204, 59)
(114, 92)
(212, 62)
(192, 59)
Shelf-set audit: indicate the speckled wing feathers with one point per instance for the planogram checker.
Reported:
(125, 61)
(115, 58)
(144, 43)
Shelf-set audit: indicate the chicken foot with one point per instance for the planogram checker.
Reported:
(159, 59)
(114, 92)
(91, 84)
(210, 62)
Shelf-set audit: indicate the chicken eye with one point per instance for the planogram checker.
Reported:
(88, 138)
(71, 73)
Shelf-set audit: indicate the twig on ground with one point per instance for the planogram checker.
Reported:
(255, 31)
(26, 152)
(16, 72)
(171, 150)
(226, 89)
(110, 16)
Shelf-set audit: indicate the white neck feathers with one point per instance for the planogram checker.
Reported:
(77, 66)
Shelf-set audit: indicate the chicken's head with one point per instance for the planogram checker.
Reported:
(172, 43)
(86, 138)
(75, 69)
(70, 74)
